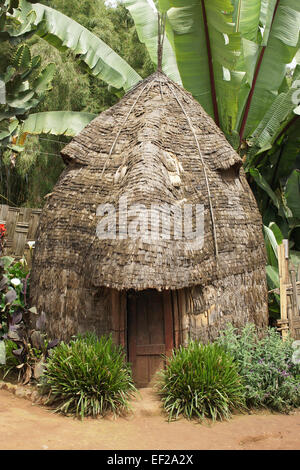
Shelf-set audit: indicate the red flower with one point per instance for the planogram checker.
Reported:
(2, 230)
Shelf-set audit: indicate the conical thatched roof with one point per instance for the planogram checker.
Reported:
(157, 145)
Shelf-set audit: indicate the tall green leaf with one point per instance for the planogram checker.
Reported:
(280, 44)
(272, 122)
(208, 49)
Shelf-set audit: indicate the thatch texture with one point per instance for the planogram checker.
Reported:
(157, 145)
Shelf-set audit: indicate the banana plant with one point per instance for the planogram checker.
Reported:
(232, 55)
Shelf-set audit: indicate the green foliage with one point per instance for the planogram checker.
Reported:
(186, 30)
(68, 123)
(88, 377)
(242, 60)
(200, 381)
(25, 366)
(24, 349)
(274, 178)
(270, 376)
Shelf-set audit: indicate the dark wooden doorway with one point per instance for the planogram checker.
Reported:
(150, 332)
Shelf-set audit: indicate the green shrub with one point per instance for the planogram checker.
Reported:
(88, 377)
(266, 366)
(200, 381)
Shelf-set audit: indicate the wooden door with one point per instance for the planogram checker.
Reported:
(150, 333)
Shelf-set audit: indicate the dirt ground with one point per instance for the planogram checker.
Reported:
(27, 426)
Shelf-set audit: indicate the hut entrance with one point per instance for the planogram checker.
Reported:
(150, 332)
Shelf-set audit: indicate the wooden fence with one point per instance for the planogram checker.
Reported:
(289, 294)
(21, 224)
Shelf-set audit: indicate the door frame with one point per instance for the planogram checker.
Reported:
(119, 317)
(169, 329)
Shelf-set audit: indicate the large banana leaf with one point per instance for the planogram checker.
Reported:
(145, 19)
(279, 113)
(65, 33)
(208, 48)
(279, 45)
(232, 55)
(68, 123)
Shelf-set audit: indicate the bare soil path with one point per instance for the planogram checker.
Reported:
(27, 426)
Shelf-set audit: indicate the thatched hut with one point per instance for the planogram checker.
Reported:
(116, 251)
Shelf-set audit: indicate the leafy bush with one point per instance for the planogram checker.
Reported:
(200, 381)
(270, 375)
(88, 377)
(24, 349)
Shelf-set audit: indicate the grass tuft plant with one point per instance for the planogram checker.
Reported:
(200, 381)
(88, 377)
